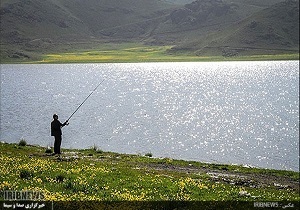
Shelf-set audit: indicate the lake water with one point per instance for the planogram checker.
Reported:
(218, 112)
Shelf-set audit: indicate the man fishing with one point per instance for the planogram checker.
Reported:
(56, 126)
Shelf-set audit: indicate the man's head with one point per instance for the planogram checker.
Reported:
(55, 116)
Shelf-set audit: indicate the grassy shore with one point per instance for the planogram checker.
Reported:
(148, 54)
(95, 175)
(132, 53)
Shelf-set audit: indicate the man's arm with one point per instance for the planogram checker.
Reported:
(65, 123)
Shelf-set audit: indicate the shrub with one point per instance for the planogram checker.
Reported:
(22, 142)
(60, 178)
(25, 174)
(149, 154)
(69, 185)
(97, 149)
(48, 150)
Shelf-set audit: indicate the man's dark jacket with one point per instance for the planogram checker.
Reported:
(56, 127)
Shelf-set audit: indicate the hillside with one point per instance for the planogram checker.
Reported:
(34, 27)
(270, 31)
(71, 20)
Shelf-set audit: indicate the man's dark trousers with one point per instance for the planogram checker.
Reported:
(57, 144)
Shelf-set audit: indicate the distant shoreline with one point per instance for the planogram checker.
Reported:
(166, 60)
(136, 54)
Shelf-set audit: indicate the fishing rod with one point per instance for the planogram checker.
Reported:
(84, 100)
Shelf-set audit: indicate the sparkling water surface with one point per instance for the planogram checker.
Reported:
(220, 112)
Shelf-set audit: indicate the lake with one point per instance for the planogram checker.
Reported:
(217, 112)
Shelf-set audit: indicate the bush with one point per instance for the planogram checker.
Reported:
(99, 151)
(22, 142)
(25, 174)
(149, 154)
(69, 184)
(96, 149)
(48, 150)
(60, 178)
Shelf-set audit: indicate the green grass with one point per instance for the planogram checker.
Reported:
(148, 55)
(132, 52)
(91, 176)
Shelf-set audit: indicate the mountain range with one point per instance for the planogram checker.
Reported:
(201, 27)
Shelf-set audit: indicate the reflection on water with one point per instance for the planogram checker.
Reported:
(224, 112)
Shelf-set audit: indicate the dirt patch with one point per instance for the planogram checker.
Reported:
(237, 178)
(254, 180)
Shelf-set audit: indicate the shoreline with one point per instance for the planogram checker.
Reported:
(150, 155)
(136, 54)
(147, 61)
(109, 176)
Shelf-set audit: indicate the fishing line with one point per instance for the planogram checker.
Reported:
(85, 100)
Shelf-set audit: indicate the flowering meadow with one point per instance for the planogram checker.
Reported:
(91, 175)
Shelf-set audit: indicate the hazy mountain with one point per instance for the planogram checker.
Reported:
(201, 27)
(269, 31)
(71, 19)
